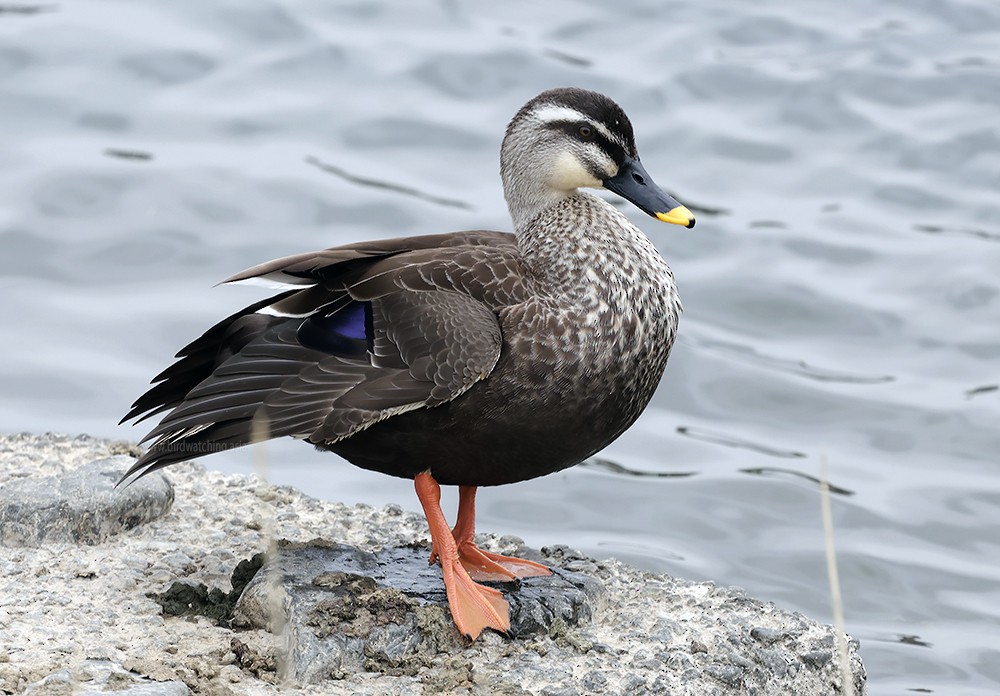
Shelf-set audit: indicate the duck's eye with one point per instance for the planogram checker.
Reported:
(586, 132)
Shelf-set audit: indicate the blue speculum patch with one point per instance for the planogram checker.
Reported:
(348, 332)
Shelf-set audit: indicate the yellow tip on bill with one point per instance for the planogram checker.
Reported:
(677, 216)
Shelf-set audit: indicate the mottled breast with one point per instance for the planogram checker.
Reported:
(605, 311)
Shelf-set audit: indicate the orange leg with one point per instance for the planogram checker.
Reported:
(483, 565)
(473, 607)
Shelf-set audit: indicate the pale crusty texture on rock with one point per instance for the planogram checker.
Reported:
(66, 607)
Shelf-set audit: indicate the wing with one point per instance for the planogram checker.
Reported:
(358, 340)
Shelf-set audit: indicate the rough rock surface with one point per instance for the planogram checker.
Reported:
(349, 610)
(93, 677)
(79, 505)
(66, 607)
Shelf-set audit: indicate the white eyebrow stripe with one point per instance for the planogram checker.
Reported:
(550, 113)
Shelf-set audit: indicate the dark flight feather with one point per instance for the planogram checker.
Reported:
(372, 330)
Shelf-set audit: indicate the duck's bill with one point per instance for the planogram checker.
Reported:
(636, 186)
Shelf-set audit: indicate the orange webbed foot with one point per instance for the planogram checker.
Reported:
(473, 607)
(484, 566)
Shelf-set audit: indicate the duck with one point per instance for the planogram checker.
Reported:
(469, 359)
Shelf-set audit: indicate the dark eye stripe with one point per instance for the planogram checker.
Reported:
(572, 128)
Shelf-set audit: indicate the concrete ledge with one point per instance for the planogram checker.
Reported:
(85, 618)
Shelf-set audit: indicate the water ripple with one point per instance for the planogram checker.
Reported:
(385, 185)
(773, 470)
(718, 438)
(615, 468)
(796, 367)
(963, 231)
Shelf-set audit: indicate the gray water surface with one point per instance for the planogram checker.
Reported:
(841, 289)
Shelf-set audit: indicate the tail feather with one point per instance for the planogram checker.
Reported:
(198, 359)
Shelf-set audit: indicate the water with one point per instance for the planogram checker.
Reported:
(843, 300)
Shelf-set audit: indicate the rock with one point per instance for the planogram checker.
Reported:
(341, 609)
(80, 505)
(67, 609)
(96, 677)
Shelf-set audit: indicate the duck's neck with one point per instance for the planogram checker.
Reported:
(527, 206)
(528, 197)
(525, 169)
(581, 242)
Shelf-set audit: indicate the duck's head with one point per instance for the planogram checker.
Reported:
(570, 138)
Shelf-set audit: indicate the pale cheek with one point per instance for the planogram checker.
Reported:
(568, 173)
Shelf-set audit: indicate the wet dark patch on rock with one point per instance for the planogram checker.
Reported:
(344, 609)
